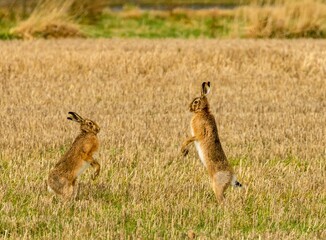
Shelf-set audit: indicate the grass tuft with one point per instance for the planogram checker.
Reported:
(295, 19)
(49, 19)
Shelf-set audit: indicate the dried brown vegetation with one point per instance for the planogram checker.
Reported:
(175, 12)
(269, 100)
(260, 19)
(49, 19)
(286, 19)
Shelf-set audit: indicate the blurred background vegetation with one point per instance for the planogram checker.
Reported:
(30, 19)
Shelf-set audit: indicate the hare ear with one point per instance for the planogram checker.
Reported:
(206, 88)
(75, 117)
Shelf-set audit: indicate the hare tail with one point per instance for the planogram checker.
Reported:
(235, 183)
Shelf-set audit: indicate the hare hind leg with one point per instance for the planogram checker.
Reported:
(75, 189)
(220, 182)
(55, 184)
(68, 192)
(218, 191)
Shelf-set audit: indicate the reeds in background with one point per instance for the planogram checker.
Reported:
(257, 19)
(283, 19)
(49, 19)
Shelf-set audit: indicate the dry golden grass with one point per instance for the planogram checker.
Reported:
(285, 19)
(269, 99)
(184, 12)
(49, 19)
(260, 19)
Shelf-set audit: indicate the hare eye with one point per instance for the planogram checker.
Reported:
(89, 124)
(196, 101)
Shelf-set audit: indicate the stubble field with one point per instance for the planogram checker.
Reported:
(269, 100)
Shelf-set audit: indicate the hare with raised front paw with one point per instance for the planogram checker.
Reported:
(62, 179)
(205, 136)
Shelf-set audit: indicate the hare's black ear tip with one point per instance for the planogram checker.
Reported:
(209, 84)
(72, 116)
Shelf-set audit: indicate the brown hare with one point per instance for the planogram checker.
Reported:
(62, 178)
(205, 135)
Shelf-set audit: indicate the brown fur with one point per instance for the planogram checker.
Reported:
(204, 132)
(63, 177)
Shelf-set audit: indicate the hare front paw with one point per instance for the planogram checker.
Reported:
(184, 151)
(95, 175)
